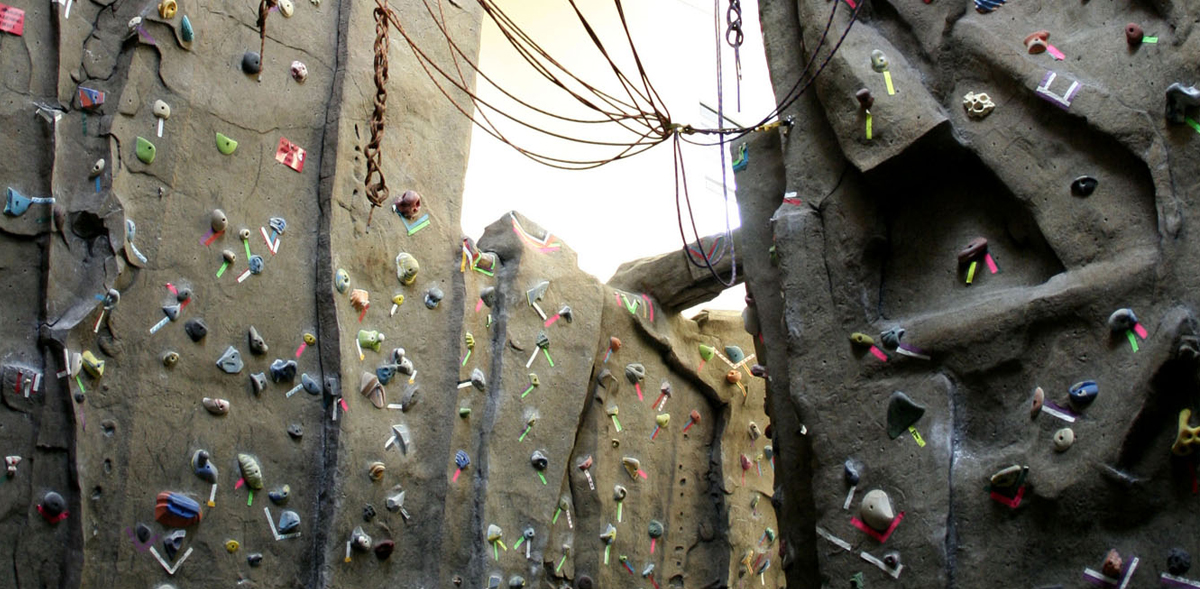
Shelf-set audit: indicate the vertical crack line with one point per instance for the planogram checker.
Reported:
(956, 437)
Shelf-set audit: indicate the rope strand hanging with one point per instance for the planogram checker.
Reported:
(375, 183)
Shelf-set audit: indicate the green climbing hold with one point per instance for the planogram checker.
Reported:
(707, 352)
(145, 150)
(902, 412)
(185, 30)
(226, 145)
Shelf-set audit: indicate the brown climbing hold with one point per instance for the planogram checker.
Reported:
(1112, 565)
(865, 100)
(371, 389)
(1036, 42)
(976, 248)
(1039, 398)
(375, 471)
(733, 377)
(614, 343)
(360, 299)
(1134, 34)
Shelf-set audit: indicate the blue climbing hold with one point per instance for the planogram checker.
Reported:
(1083, 393)
(461, 459)
(16, 204)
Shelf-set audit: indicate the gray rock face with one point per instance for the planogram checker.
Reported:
(874, 243)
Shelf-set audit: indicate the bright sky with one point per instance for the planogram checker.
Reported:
(624, 210)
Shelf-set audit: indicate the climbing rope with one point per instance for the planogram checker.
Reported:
(264, 8)
(376, 185)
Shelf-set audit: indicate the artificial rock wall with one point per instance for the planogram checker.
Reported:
(845, 233)
(304, 468)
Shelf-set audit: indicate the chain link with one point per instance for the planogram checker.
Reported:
(733, 18)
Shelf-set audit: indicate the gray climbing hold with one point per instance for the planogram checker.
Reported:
(359, 540)
(172, 542)
(478, 380)
(203, 467)
(1122, 320)
(902, 412)
(172, 311)
(230, 361)
(891, 338)
(258, 381)
(433, 296)
(656, 529)
(280, 496)
(195, 329)
(258, 346)
(409, 398)
(53, 504)
(1179, 98)
(566, 313)
(296, 431)
(256, 264)
(251, 62)
(283, 371)
(488, 294)
(311, 386)
(289, 521)
(635, 373)
(539, 460)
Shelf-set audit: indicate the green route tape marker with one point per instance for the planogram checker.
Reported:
(1193, 124)
(1132, 340)
(1151, 40)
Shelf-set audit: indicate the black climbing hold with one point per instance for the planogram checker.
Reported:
(368, 512)
(142, 531)
(254, 559)
(251, 64)
(902, 412)
(183, 294)
(488, 294)
(584, 582)
(1084, 186)
(196, 329)
(53, 504)
(851, 471)
(1178, 561)
(172, 542)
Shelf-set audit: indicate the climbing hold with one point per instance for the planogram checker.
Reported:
(409, 398)
(1112, 565)
(373, 390)
(309, 338)
(614, 344)
(539, 460)
(632, 466)
(251, 62)
(1036, 42)
(341, 281)
(255, 264)
(384, 548)
(280, 496)
(1084, 186)
(1039, 398)
(1063, 439)
(296, 431)
(370, 339)
(584, 582)
(172, 542)
(232, 546)
(161, 109)
(478, 380)
(408, 205)
(433, 296)
(879, 61)
(310, 384)
(225, 144)
(1178, 561)
(733, 377)
(230, 361)
(286, 8)
(289, 521)
(93, 365)
(258, 381)
(1008, 476)
(186, 32)
(891, 338)
(892, 559)
(278, 224)
(865, 100)
(978, 105)
(876, 510)
(461, 460)
(662, 419)
(360, 299)
(407, 268)
(145, 150)
(395, 502)
(1179, 98)
(902, 412)
(254, 559)
(975, 249)
(850, 470)
(203, 467)
(488, 296)
(1134, 34)
(656, 529)
(862, 339)
(228, 256)
(376, 470)
(735, 354)
(542, 341)
(1083, 393)
(216, 406)
(1122, 320)
(635, 373)
(516, 582)
(195, 329)
(52, 506)
(1187, 437)
(97, 168)
(167, 8)
(10, 465)
(176, 510)
(707, 352)
(218, 221)
(609, 535)
(258, 346)
(251, 472)
(283, 371)
(299, 71)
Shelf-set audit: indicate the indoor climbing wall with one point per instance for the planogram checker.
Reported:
(968, 260)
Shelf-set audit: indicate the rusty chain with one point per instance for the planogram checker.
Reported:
(376, 185)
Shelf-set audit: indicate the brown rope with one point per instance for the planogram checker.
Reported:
(376, 185)
(264, 8)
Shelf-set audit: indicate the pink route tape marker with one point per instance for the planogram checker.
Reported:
(991, 263)
(550, 321)
(1055, 53)
(878, 353)
(478, 305)
(637, 386)
(874, 534)
(1141, 331)
(1010, 502)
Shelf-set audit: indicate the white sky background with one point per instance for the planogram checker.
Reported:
(626, 209)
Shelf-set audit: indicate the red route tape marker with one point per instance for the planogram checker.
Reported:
(874, 534)
(12, 20)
